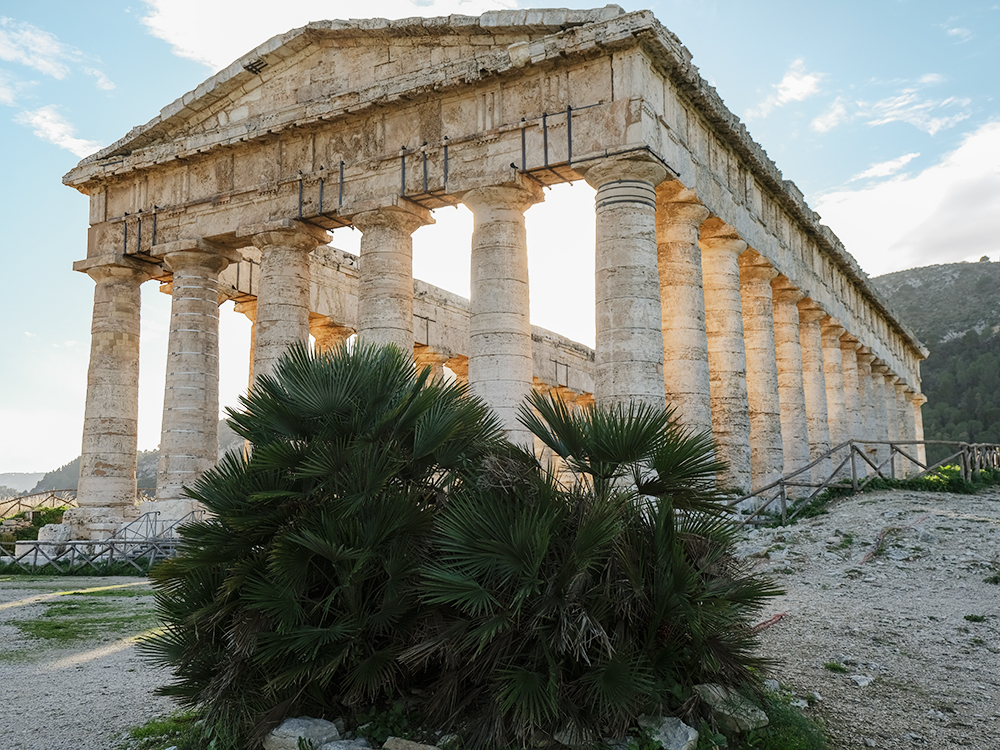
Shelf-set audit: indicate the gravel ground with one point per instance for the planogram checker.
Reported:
(896, 623)
(74, 697)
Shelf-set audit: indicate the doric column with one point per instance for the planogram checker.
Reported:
(425, 356)
(866, 400)
(891, 412)
(833, 373)
(283, 290)
(791, 391)
(720, 251)
(248, 307)
(880, 421)
(385, 274)
(682, 303)
(766, 449)
(918, 401)
(189, 438)
(852, 397)
(500, 363)
(904, 426)
(327, 333)
(814, 383)
(628, 356)
(107, 491)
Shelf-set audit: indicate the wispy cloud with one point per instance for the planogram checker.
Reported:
(29, 45)
(957, 200)
(40, 50)
(957, 32)
(8, 89)
(929, 115)
(50, 126)
(835, 114)
(885, 168)
(797, 85)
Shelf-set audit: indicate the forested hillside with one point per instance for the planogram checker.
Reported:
(955, 311)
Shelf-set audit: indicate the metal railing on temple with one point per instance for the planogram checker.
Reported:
(858, 463)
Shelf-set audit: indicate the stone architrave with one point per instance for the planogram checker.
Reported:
(459, 364)
(107, 487)
(283, 296)
(814, 384)
(766, 449)
(500, 362)
(919, 400)
(385, 283)
(628, 357)
(720, 251)
(866, 397)
(833, 373)
(189, 438)
(685, 343)
(791, 390)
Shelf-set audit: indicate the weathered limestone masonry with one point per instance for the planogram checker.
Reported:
(713, 280)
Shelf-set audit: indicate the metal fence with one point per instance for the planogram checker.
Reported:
(138, 544)
(862, 462)
(11, 506)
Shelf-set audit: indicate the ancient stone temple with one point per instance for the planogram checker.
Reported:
(718, 290)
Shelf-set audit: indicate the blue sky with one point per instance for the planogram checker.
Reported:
(885, 113)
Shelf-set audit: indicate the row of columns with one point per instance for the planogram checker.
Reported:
(686, 314)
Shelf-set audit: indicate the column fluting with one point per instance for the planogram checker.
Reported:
(720, 251)
(628, 354)
(385, 274)
(189, 438)
(791, 390)
(500, 361)
(682, 302)
(814, 384)
(766, 448)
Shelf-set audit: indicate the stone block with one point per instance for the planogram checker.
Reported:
(287, 735)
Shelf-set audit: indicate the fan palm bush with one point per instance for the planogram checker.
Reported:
(301, 591)
(381, 541)
(564, 612)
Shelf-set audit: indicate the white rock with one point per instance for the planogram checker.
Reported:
(862, 680)
(671, 732)
(734, 711)
(316, 731)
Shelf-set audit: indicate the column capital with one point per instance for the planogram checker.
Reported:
(785, 291)
(717, 236)
(638, 166)
(677, 205)
(755, 266)
(810, 311)
(514, 196)
(405, 218)
(849, 342)
(865, 356)
(901, 386)
(120, 267)
(285, 233)
(197, 252)
(248, 307)
(919, 399)
(832, 330)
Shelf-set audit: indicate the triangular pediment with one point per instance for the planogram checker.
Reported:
(336, 65)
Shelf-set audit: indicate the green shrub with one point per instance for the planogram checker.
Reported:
(383, 546)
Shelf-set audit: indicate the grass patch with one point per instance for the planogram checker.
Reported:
(81, 617)
(994, 579)
(975, 618)
(182, 729)
(788, 729)
(835, 666)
